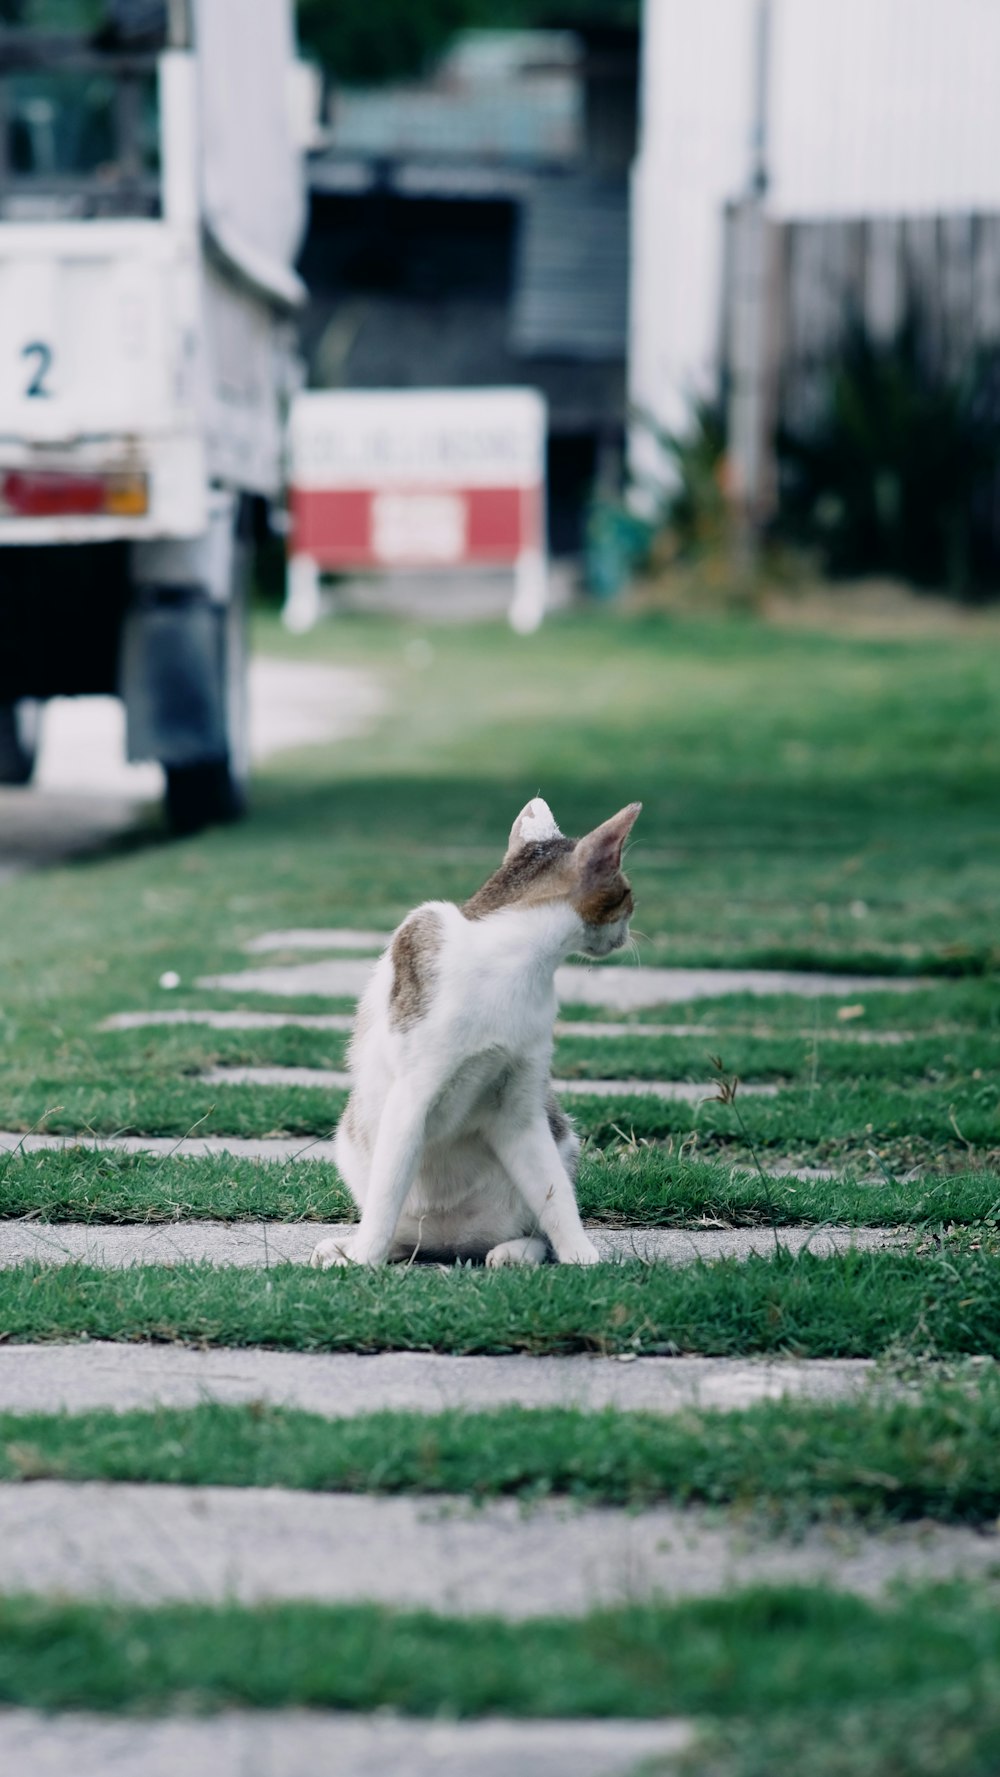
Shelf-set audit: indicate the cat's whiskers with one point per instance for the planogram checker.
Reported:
(631, 948)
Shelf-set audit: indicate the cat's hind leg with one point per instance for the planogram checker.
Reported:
(530, 1250)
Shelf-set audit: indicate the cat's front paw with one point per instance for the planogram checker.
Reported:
(578, 1252)
(333, 1252)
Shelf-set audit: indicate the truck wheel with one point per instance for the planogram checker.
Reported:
(202, 796)
(19, 726)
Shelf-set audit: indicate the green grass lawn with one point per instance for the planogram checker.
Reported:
(810, 800)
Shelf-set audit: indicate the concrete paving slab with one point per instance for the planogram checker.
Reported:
(322, 1079)
(151, 1543)
(339, 1385)
(340, 979)
(620, 989)
(214, 1020)
(582, 1027)
(256, 1245)
(265, 1149)
(334, 1079)
(230, 1020)
(301, 1743)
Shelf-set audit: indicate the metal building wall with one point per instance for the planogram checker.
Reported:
(876, 108)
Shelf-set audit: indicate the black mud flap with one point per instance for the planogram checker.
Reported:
(173, 677)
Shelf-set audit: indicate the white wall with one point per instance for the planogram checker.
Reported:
(885, 107)
(694, 129)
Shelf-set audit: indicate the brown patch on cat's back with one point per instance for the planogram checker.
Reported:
(535, 874)
(414, 952)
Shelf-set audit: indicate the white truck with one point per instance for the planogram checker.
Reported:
(151, 206)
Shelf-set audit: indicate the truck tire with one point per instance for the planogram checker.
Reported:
(19, 727)
(202, 795)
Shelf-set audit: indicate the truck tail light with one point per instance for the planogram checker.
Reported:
(53, 493)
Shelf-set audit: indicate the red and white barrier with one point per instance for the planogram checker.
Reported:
(417, 479)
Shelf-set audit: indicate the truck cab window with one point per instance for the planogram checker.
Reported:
(79, 141)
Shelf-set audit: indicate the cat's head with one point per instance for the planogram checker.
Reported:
(542, 867)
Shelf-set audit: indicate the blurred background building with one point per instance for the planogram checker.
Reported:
(713, 227)
(471, 228)
(681, 223)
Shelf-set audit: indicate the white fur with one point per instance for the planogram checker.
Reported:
(537, 822)
(451, 1150)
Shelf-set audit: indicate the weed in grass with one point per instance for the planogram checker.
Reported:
(728, 1086)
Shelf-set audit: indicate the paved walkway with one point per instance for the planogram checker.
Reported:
(253, 1245)
(311, 1743)
(57, 1378)
(85, 794)
(151, 1543)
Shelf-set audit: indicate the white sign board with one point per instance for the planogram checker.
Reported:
(417, 479)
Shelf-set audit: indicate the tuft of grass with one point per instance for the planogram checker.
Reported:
(942, 1302)
(957, 1734)
(874, 1458)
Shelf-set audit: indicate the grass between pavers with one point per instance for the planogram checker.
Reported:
(927, 1008)
(815, 1058)
(951, 1118)
(957, 1734)
(942, 1302)
(623, 1187)
(876, 1458)
(812, 1060)
(747, 1655)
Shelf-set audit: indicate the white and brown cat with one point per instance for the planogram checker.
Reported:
(452, 1144)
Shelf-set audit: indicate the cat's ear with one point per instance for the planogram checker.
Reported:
(535, 821)
(599, 854)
